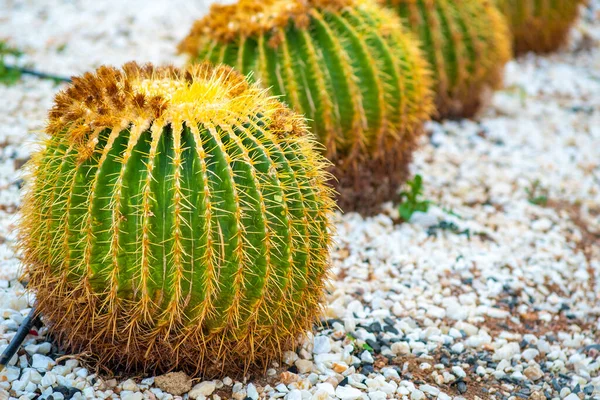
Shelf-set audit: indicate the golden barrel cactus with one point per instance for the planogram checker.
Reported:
(175, 219)
(347, 65)
(540, 26)
(467, 44)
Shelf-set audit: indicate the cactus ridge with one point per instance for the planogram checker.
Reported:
(467, 44)
(176, 219)
(347, 65)
(539, 26)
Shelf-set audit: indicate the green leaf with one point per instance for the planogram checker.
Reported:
(410, 201)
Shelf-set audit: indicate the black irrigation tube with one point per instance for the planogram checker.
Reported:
(38, 74)
(18, 339)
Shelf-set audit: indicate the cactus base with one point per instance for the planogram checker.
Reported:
(70, 312)
(365, 185)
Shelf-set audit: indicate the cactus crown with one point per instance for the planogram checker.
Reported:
(176, 219)
(200, 94)
(252, 17)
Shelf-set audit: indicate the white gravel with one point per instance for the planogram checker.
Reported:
(485, 296)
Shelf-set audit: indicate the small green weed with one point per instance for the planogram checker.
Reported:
(412, 200)
(536, 194)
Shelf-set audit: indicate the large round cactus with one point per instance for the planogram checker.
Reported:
(467, 43)
(176, 219)
(347, 65)
(539, 26)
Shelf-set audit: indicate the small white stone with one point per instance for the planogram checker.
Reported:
(564, 392)
(430, 389)
(321, 345)
(313, 378)
(31, 348)
(507, 351)
(227, 381)
(572, 396)
(328, 357)
(89, 392)
(436, 312)
(455, 333)
(447, 377)
(458, 348)
(31, 375)
(320, 395)
(10, 374)
(132, 396)
(533, 373)
(282, 388)
(205, 388)
(497, 313)
(530, 354)
(517, 375)
(294, 394)
(390, 373)
(19, 386)
(60, 396)
(40, 361)
(44, 348)
(367, 357)
(130, 385)
(304, 366)
(82, 373)
(23, 362)
(290, 357)
(326, 387)
(347, 393)
(377, 395)
(417, 395)
(251, 391)
(458, 371)
(401, 348)
(542, 225)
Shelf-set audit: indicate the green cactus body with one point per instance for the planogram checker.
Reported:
(176, 219)
(347, 65)
(467, 44)
(539, 26)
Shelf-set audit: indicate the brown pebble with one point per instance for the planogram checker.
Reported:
(176, 383)
(287, 377)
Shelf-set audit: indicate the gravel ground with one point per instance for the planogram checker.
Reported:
(494, 293)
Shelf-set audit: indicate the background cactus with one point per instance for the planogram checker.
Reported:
(347, 65)
(539, 26)
(176, 218)
(467, 44)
